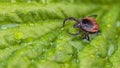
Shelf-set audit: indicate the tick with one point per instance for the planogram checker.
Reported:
(86, 25)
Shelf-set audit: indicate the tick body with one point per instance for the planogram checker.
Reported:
(90, 25)
(86, 25)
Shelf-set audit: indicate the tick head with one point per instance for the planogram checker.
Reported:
(77, 25)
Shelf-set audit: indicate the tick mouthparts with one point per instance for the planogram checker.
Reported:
(77, 25)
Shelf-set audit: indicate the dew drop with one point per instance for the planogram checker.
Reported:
(62, 28)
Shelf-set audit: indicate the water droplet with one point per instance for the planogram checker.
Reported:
(62, 28)
(51, 43)
(31, 24)
(6, 26)
(71, 55)
(118, 23)
(116, 36)
(29, 1)
(44, 50)
(18, 35)
(111, 50)
(77, 61)
(3, 27)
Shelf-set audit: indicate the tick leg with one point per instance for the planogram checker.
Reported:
(98, 32)
(83, 17)
(70, 18)
(86, 36)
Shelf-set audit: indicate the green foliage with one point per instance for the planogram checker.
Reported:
(31, 35)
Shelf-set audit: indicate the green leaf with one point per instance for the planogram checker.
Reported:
(32, 36)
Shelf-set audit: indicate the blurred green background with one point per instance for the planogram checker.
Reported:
(31, 35)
